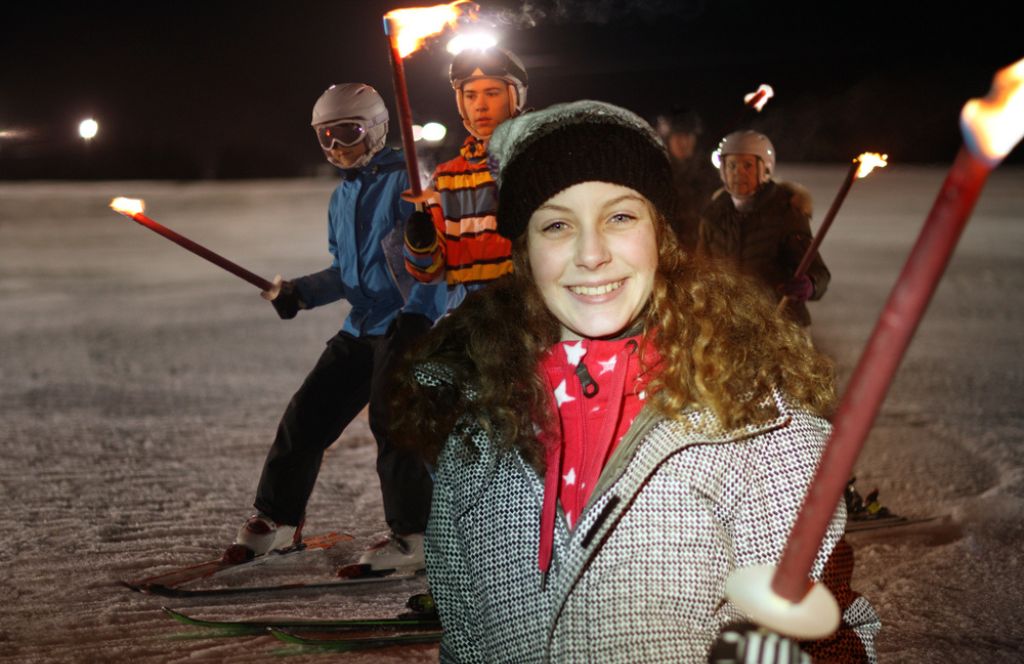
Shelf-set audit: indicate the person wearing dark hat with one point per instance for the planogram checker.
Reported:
(455, 238)
(616, 425)
(695, 180)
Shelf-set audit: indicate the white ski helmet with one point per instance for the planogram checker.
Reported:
(493, 62)
(355, 103)
(747, 141)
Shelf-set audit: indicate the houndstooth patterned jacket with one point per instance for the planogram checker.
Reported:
(641, 577)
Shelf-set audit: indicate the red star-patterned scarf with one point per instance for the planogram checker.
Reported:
(598, 390)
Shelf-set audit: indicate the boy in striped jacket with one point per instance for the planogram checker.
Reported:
(456, 236)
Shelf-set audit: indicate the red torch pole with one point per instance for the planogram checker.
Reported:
(870, 381)
(404, 110)
(783, 598)
(199, 250)
(752, 104)
(758, 96)
(837, 202)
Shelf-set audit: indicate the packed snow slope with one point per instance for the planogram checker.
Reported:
(140, 388)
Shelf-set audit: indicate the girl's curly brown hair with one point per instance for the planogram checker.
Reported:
(722, 347)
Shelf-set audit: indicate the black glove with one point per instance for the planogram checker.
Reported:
(419, 230)
(406, 328)
(799, 288)
(746, 643)
(287, 303)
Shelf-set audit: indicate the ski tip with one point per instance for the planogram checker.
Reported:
(355, 571)
(177, 615)
(134, 587)
(163, 591)
(285, 635)
(149, 588)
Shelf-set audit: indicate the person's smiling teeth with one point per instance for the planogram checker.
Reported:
(596, 290)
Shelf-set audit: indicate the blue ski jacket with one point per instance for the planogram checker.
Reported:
(365, 234)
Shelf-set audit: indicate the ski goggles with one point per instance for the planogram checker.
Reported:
(485, 64)
(345, 134)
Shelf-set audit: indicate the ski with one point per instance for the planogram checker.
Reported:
(410, 622)
(339, 642)
(183, 575)
(284, 588)
(889, 521)
(868, 513)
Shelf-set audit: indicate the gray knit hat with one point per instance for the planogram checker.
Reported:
(536, 155)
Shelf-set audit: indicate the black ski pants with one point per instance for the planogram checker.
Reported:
(351, 372)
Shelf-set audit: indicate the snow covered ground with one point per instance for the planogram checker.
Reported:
(140, 388)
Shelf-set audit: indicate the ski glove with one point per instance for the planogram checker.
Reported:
(746, 643)
(407, 328)
(287, 302)
(419, 231)
(799, 289)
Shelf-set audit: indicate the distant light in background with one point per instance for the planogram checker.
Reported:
(417, 133)
(433, 132)
(477, 40)
(716, 158)
(88, 129)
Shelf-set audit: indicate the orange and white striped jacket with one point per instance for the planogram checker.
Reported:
(467, 249)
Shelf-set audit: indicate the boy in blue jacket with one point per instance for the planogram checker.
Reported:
(389, 310)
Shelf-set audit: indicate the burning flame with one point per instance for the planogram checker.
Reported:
(869, 161)
(409, 28)
(128, 206)
(994, 125)
(758, 98)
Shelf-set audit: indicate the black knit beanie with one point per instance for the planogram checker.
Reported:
(539, 154)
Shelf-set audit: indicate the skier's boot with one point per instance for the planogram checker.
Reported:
(395, 553)
(874, 507)
(259, 535)
(854, 501)
(421, 607)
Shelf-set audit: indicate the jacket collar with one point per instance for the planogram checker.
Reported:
(625, 476)
(385, 160)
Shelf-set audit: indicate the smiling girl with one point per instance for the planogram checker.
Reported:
(617, 425)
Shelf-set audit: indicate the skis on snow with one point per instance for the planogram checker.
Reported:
(409, 622)
(348, 643)
(867, 513)
(167, 583)
(420, 626)
(887, 521)
(284, 588)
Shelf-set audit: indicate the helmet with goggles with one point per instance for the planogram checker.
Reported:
(473, 63)
(347, 114)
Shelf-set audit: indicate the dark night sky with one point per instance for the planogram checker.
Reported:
(189, 89)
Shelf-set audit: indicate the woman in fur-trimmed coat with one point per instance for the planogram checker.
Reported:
(616, 426)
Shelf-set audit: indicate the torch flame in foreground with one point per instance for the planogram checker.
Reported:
(869, 161)
(128, 206)
(758, 98)
(994, 125)
(411, 27)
